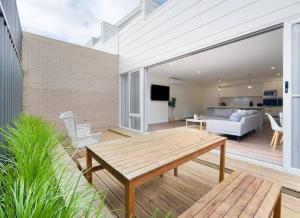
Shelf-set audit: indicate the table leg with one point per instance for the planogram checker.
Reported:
(129, 200)
(201, 127)
(89, 165)
(277, 209)
(186, 124)
(222, 162)
(176, 171)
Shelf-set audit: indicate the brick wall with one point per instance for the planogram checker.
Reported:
(59, 77)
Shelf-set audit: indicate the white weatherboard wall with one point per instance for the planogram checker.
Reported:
(182, 26)
(189, 100)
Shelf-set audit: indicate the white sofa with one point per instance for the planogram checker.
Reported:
(217, 121)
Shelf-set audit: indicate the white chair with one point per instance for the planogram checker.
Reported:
(277, 131)
(281, 118)
(80, 134)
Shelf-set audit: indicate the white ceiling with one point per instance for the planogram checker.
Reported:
(235, 61)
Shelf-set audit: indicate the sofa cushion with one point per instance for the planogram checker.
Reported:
(214, 118)
(237, 116)
(223, 112)
(251, 112)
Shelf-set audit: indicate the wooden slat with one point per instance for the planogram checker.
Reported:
(156, 148)
(162, 156)
(162, 143)
(193, 210)
(256, 201)
(156, 145)
(284, 178)
(151, 155)
(267, 206)
(230, 201)
(240, 205)
(211, 205)
(135, 156)
(170, 163)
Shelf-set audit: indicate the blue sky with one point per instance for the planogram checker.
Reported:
(74, 21)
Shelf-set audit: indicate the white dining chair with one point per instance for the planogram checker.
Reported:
(80, 134)
(277, 131)
(281, 118)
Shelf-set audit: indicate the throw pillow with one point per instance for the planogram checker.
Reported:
(236, 117)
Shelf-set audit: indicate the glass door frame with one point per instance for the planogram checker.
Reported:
(288, 96)
(143, 72)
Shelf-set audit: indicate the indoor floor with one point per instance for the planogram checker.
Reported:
(254, 145)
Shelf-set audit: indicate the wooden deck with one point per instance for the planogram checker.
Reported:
(172, 194)
(254, 145)
(176, 194)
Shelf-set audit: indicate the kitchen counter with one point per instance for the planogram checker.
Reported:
(237, 107)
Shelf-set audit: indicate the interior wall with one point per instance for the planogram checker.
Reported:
(211, 96)
(189, 100)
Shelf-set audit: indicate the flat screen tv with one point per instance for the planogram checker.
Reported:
(160, 93)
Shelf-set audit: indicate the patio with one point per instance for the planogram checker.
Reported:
(176, 194)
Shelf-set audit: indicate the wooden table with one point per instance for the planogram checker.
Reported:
(201, 122)
(134, 161)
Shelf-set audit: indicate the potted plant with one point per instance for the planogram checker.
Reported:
(172, 105)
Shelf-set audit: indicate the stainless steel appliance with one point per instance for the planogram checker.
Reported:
(270, 94)
(271, 98)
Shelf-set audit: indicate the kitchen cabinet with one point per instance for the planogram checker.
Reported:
(242, 91)
(227, 91)
(274, 85)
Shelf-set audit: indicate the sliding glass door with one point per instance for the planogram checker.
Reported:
(124, 101)
(295, 89)
(291, 87)
(134, 107)
(130, 100)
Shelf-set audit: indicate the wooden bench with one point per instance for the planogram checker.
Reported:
(71, 171)
(239, 195)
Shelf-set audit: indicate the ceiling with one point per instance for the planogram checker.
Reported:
(256, 55)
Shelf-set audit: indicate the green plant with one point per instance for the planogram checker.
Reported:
(31, 181)
(172, 105)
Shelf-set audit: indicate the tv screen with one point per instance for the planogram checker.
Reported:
(160, 93)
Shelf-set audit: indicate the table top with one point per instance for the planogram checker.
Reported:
(133, 157)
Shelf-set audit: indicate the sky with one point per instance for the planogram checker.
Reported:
(74, 21)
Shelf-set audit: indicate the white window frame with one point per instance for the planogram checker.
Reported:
(143, 79)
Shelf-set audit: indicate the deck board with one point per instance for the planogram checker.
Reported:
(194, 181)
(189, 185)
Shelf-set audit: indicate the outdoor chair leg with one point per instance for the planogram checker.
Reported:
(277, 209)
(176, 171)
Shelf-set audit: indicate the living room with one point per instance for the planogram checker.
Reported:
(214, 88)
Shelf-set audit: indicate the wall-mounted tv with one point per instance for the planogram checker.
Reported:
(160, 93)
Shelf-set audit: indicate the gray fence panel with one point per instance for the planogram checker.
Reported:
(11, 75)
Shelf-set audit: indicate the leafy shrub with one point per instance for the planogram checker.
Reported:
(31, 183)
